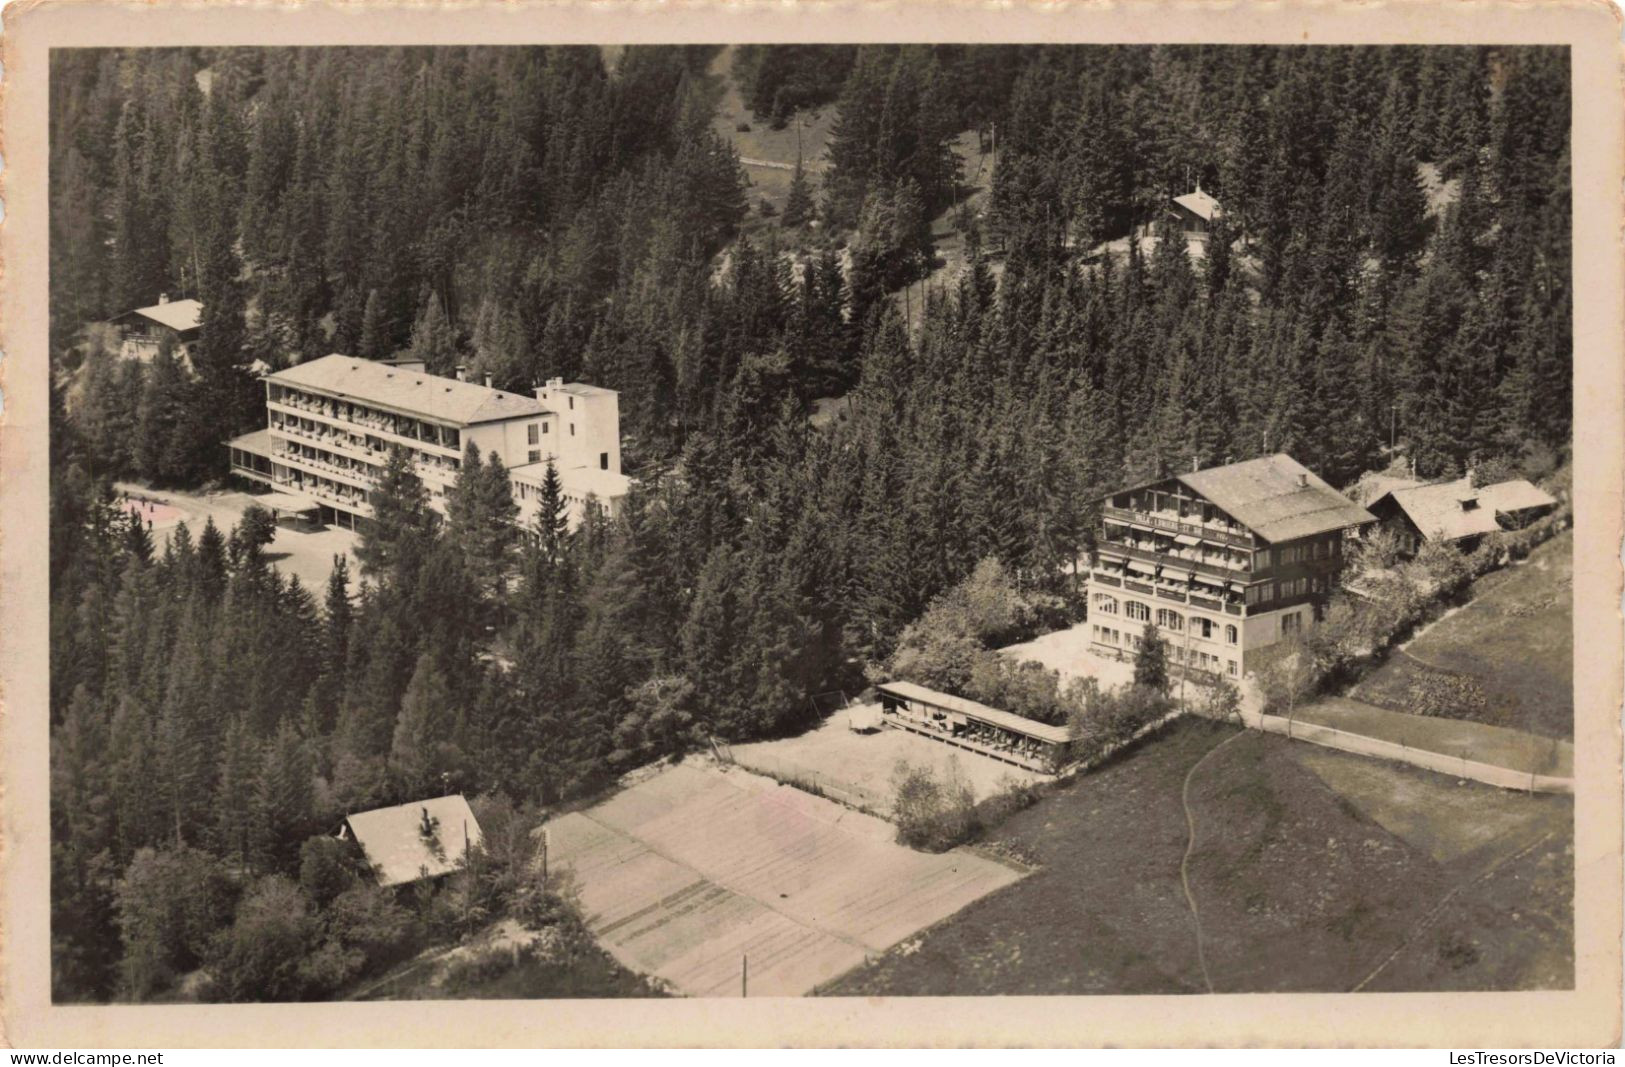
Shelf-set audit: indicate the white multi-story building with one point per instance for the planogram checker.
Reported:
(330, 425)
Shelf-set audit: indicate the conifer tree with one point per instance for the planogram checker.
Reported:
(285, 792)
(1151, 661)
(481, 512)
(421, 729)
(434, 338)
(798, 205)
(375, 342)
(394, 540)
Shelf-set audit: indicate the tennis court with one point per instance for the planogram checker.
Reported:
(696, 874)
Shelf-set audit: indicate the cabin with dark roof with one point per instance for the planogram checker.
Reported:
(1224, 562)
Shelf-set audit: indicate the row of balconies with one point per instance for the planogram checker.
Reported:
(440, 467)
(386, 426)
(1223, 533)
(1228, 571)
(354, 501)
(1225, 604)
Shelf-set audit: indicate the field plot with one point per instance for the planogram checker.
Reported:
(686, 873)
(1311, 870)
(1505, 659)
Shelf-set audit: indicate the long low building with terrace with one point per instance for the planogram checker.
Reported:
(1224, 562)
(966, 724)
(331, 423)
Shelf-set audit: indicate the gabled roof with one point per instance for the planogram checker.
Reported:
(178, 315)
(1200, 204)
(1440, 512)
(412, 392)
(396, 847)
(1517, 495)
(1373, 487)
(1277, 498)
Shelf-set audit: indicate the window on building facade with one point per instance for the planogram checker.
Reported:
(535, 455)
(1230, 634)
(1233, 670)
(572, 429)
(1105, 604)
(1170, 620)
(1136, 610)
(535, 435)
(1203, 627)
(1290, 623)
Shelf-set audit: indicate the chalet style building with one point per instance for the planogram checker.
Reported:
(1457, 512)
(142, 332)
(1224, 561)
(330, 425)
(1193, 214)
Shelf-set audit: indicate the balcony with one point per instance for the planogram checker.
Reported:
(359, 477)
(356, 504)
(1162, 521)
(383, 428)
(1108, 579)
(1159, 558)
(436, 468)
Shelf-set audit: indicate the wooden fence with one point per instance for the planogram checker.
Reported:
(1365, 745)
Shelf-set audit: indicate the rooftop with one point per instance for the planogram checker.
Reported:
(1441, 511)
(1201, 204)
(583, 389)
(414, 392)
(1373, 487)
(1277, 498)
(947, 701)
(400, 852)
(577, 481)
(178, 315)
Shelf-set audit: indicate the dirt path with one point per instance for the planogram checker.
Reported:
(1438, 909)
(1190, 846)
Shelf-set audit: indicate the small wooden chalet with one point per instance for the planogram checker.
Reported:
(1193, 214)
(143, 331)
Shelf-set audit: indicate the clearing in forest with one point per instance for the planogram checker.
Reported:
(694, 874)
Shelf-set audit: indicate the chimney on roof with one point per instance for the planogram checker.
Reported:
(462, 373)
(1303, 480)
(163, 298)
(1196, 464)
(488, 381)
